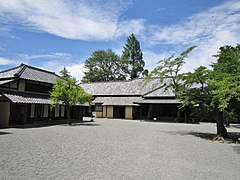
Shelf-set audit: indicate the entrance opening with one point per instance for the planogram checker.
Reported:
(119, 112)
(19, 114)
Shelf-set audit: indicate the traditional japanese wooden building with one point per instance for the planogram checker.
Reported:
(135, 99)
(24, 97)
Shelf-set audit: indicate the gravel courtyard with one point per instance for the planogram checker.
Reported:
(117, 149)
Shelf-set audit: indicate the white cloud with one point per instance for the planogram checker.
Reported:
(5, 61)
(151, 59)
(76, 70)
(208, 30)
(135, 26)
(84, 20)
(201, 26)
(203, 54)
(52, 56)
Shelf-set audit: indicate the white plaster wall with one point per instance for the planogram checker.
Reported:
(99, 114)
(109, 111)
(104, 112)
(128, 112)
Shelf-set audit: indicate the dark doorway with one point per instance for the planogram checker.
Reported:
(144, 111)
(39, 109)
(119, 112)
(76, 113)
(136, 112)
(18, 114)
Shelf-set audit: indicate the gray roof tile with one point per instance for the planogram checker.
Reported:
(30, 73)
(136, 87)
(9, 73)
(158, 101)
(26, 97)
(5, 81)
(117, 101)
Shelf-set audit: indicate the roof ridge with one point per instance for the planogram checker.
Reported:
(21, 70)
(25, 65)
(120, 81)
(154, 90)
(39, 69)
(6, 70)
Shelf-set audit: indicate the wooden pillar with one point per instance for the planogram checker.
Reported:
(185, 115)
(150, 113)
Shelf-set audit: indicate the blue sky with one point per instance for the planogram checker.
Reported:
(57, 33)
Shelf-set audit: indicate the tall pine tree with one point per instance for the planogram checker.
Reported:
(65, 74)
(133, 56)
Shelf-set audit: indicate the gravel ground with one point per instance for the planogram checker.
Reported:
(117, 149)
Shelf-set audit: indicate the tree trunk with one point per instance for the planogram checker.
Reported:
(221, 130)
(68, 116)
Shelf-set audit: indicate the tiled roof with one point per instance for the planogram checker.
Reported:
(10, 73)
(136, 87)
(5, 81)
(26, 97)
(158, 101)
(161, 91)
(117, 101)
(30, 73)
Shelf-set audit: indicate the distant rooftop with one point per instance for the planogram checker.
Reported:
(135, 87)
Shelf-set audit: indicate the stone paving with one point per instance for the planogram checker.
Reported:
(117, 149)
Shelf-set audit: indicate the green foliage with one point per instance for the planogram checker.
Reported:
(65, 73)
(211, 91)
(194, 87)
(104, 66)
(145, 73)
(226, 77)
(133, 56)
(170, 68)
(216, 88)
(67, 92)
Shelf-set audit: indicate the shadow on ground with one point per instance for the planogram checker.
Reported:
(233, 136)
(4, 133)
(236, 149)
(82, 123)
(49, 124)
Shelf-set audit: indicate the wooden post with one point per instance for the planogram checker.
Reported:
(150, 112)
(185, 115)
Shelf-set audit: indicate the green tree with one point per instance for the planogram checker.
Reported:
(198, 89)
(65, 73)
(104, 66)
(226, 83)
(133, 56)
(215, 91)
(68, 93)
(170, 68)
